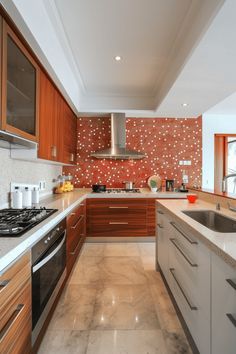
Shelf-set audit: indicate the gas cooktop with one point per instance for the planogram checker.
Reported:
(15, 222)
(120, 190)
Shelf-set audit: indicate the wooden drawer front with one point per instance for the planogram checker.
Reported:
(223, 307)
(117, 211)
(14, 278)
(73, 217)
(75, 233)
(15, 323)
(116, 202)
(116, 228)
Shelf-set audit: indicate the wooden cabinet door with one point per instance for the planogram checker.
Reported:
(69, 136)
(48, 129)
(20, 91)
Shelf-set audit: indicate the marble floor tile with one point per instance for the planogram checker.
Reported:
(122, 270)
(147, 249)
(164, 307)
(124, 307)
(126, 342)
(64, 342)
(176, 343)
(121, 250)
(75, 308)
(148, 262)
(93, 250)
(87, 271)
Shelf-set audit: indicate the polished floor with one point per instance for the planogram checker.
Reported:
(115, 303)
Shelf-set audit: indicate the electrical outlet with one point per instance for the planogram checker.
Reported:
(42, 185)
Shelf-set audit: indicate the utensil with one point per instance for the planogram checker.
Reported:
(129, 184)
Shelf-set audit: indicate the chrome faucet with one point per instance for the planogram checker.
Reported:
(224, 181)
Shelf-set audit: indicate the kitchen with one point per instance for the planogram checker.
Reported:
(117, 183)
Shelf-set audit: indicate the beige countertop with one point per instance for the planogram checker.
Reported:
(12, 248)
(223, 244)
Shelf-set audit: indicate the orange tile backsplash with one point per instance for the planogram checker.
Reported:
(166, 141)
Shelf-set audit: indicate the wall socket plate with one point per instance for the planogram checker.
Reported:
(185, 163)
(42, 185)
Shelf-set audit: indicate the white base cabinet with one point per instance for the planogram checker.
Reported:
(186, 265)
(223, 307)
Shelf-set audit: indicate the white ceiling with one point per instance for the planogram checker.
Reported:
(173, 51)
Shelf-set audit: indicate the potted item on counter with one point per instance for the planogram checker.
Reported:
(153, 185)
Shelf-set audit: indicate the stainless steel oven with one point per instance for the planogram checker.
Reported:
(48, 274)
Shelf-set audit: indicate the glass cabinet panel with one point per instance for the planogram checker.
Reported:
(20, 90)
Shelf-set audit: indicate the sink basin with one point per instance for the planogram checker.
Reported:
(212, 220)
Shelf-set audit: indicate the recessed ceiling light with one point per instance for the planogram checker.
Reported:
(184, 104)
(117, 58)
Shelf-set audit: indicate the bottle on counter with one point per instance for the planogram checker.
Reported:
(27, 198)
(17, 199)
(35, 195)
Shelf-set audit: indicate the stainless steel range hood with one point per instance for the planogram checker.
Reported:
(118, 142)
(10, 141)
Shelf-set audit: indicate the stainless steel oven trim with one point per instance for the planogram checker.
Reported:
(47, 259)
(47, 308)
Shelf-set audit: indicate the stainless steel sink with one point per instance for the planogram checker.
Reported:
(213, 220)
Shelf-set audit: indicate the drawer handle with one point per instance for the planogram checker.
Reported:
(192, 307)
(72, 214)
(231, 318)
(76, 224)
(118, 223)
(160, 212)
(11, 320)
(75, 250)
(118, 207)
(183, 234)
(160, 226)
(173, 240)
(4, 283)
(232, 283)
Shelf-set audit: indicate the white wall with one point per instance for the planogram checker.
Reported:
(213, 124)
(21, 171)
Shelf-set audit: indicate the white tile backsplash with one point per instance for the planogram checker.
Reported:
(24, 172)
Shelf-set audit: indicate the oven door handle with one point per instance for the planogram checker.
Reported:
(52, 254)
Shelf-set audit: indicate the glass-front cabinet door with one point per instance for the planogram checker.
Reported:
(20, 78)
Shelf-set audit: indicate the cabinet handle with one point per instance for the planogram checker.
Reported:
(53, 151)
(160, 226)
(7, 326)
(160, 212)
(76, 224)
(173, 240)
(75, 250)
(231, 318)
(72, 214)
(232, 283)
(4, 283)
(183, 234)
(192, 307)
(118, 223)
(118, 207)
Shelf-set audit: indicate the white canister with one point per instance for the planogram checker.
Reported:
(17, 199)
(35, 196)
(27, 198)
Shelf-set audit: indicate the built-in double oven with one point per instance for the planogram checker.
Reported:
(48, 274)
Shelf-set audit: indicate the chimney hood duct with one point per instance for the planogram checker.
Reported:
(118, 149)
(10, 141)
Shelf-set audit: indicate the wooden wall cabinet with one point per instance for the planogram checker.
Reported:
(57, 125)
(15, 308)
(19, 91)
(76, 232)
(121, 217)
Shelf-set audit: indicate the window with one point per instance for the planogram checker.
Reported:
(225, 161)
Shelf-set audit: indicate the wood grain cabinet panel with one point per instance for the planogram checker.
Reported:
(120, 217)
(76, 232)
(20, 81)
(15, 308)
